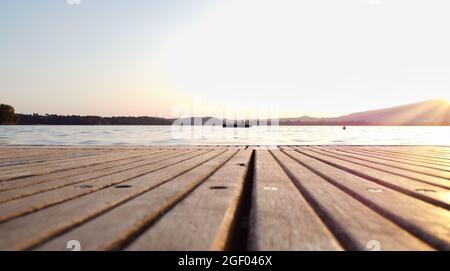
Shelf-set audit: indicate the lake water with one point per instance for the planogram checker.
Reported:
(170, 135)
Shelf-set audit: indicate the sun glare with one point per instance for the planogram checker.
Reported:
(227, 58)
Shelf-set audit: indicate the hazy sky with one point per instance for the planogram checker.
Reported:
(142, 57)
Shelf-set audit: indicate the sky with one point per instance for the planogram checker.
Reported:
(141, 57)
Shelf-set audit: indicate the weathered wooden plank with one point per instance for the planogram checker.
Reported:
(33, 159)
(404, 190)
(285, 147)
(420, 147)
(383, 153)
(194, 225)
(18, 153)
(36, 179)
(138, 213)
(19, 207)
(63, 161)
(61, 179)
(414, 154)
(24, 171)
(85, 147)
(279, 212)
(428, 222)
(390, 158)
(22, 153)
(353, 223)
(69, 152)
(52, 156)
(60, 218)
(414, 149)
(252, 147)
(432, 194)
(415, 172)
(411, 175)
(427, 150)
(444, 148)
(262, 147)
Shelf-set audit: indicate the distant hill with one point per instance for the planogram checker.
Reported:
(430, 112)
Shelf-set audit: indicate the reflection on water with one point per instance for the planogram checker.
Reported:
(283, 135)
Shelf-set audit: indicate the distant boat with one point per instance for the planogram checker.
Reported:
(242, 124)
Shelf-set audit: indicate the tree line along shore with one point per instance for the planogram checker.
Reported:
(8, 116)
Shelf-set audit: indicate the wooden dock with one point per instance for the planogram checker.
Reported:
(225, 197)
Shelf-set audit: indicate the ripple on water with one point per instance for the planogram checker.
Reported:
(288, 135)
(89, 142)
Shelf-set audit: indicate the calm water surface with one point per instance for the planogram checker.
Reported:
(283, 135)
